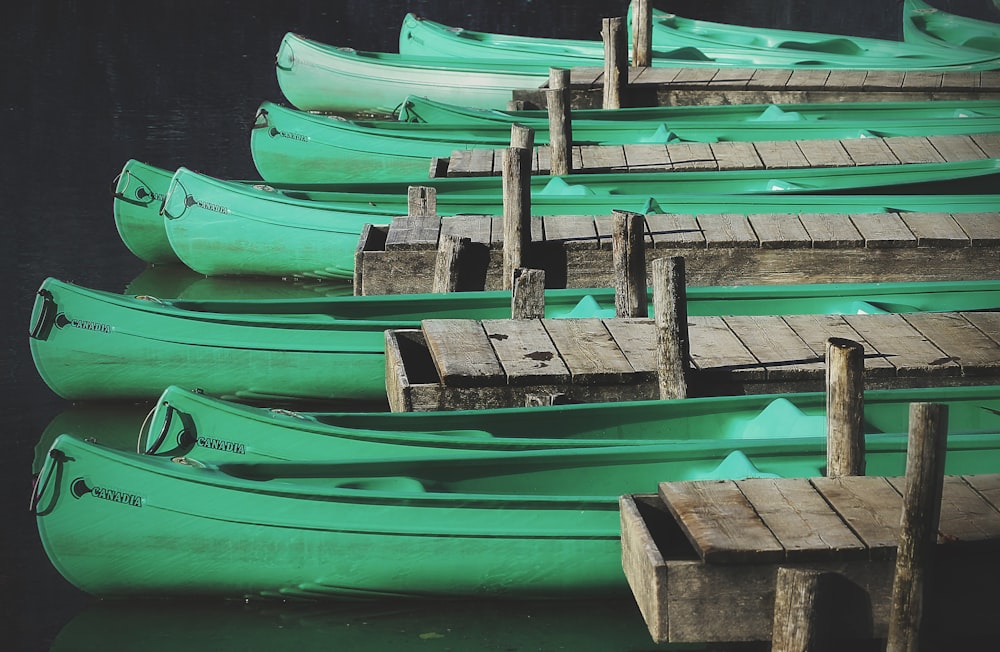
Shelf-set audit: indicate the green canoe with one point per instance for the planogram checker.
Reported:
(292, 146)
(683, 42)
(924, 24)
(523, 524)
(709, 429)
(219, 227)
(91, 344)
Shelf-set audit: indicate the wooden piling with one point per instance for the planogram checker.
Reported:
(799, 620)
(615, 61)
(628, 252)
(557, 99)
(845, 408)
(528, 294)
(925, 458)
(447, 266)
(642, 39)
(670, 311)
(516, 200)
(421, 201)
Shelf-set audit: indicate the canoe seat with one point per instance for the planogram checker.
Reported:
(781, 418)
(737, 466)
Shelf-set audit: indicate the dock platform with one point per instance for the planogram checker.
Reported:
(715, 547)
(452, 364)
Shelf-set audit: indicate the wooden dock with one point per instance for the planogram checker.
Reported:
(729, 155)
(655, 86)
(452, 364)
(714, 547)
(723, 249)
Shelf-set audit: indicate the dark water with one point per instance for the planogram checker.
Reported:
(89, 84)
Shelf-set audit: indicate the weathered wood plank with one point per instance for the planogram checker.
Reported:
(727, 230)
(694, 77)
(831, 230)
(777, 346)
(477, 228)
(637, 340)
(904, 346)
(935, 230)
(735, 155)
(815, 330)
(869, 151)
(675, 231)
(967, 519)
(590, 353)
(525, 351)
(883, 80)
(913, 149)
(989, 143)
(714, 346)
(412, 233)
(462, 353)
(732, 78)
(780, 231)
(956, 148)
(770, 78)
(960, 341)
(883, 230)
(960, 80)
(808, 78)
(720, 522)
(574, 231)
(781, 154)
(983, 229)
(987, 322)
(602, 157)
(988, 486)
(824, 153)
(870, 506)
(691, 156)
(644, 156)
(801, 520)
(845, 80)
(921, 80)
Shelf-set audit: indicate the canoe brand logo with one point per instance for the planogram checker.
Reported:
(223, 445)
(80, 488)
(288, 134)
(62, 321)
(208, 206)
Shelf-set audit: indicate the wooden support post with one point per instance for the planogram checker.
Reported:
(628, 252)
(670, 310)
(642, 39)
(421, 201)
(845, 408)
(527, 299)
(447, 266)
(516, 201)
(615, 61)
(925, 457)
(799, 621)
(557, 99)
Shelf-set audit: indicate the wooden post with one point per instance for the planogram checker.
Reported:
(628, 252)
(421, 201)
(516, 201)
(670, 310)
(557, 99)
(527, 299)
(845, 408)
(642, 39)
(447, 265)
(615, 61)
(799, 620)
(925, 457)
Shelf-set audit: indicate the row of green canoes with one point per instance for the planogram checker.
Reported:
(218, 227)
(212, 515)
(292, 146)
(333, 348)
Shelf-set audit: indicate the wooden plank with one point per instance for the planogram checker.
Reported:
(715, 347)
(883, 230)
(986, 485)
(870, 507)
(825, 153)
(883, 80)
(902, 345)
(801, 519)
(732, 79)
(987, 322)
(960, 80)
(691, 156)
(637, 340)
(815, 330)
(921, 80)
(694, 77)
(574, 231)
(602, 158)
(462, 353)
(983, 229)
(913, 149)
(967, 519)
(783, 154)
(770, 78)
(960, 341)
(777, 346)
(477, 228)
(525, 351)
(869, 151)
(646, 157)
(720, 522)
(727, 230)
(845, 80)
(780, 231)
(734, 155)
(807, 78)
(831, 230)
(407, 233)
(956, 148)
(935, 230)
(589, 352)
(675, 231)
(989, 143)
